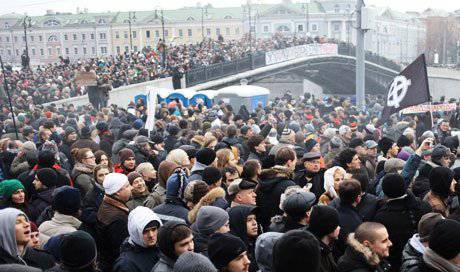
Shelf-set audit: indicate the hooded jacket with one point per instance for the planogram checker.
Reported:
(8, 247)
(135, 255)
(158, 195)
(39, 202)
(82, 175)
(167, 253)
(264, 250)
(273, 183)
(59, 224)
(238, 227)
(412, 255)
(197, 171)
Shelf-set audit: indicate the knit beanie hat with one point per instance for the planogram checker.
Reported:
(69, 130)
(209, 219)
(393, 185)
(223, 248)
(85, 132)
(385, 144)
(441, 180)
(309, 144)
(439, 151)
(102, 126)
(132, 176)
(445, 239)
(9, 187)
(193, 262)
(164, 238)
(78, 250)
(323, 220)
(211, 175)
(47, 176)
(290, 251)
(426, 225)
(195, 190)
(176, 184)
(205, 156)
(125, 154)
(67, 200)
(113, 182)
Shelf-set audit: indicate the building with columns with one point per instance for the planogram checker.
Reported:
(83, 35)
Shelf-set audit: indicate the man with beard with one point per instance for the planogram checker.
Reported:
(313, 175)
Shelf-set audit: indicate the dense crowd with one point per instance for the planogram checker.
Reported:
(300, 184)
(55, 81)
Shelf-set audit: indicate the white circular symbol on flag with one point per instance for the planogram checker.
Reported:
(398, 91)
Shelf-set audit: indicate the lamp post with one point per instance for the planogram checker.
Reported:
(163, 62)
(5, 85)
(204, 11)
(26, 23)
(131, 18)
(306, 7)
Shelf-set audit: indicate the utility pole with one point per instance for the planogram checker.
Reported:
(5, 85)
(444, 42)
(130, 19)
(307, 17)
(204, 10)
(26, 23)
(164, 41)
(360, 58)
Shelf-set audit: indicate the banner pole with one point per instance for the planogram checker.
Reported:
(431, 113)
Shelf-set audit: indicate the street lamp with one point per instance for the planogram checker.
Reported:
(247, 9)
(204, 11)
(163, 62)
(26, 23)
(131, 18)
(306, 7)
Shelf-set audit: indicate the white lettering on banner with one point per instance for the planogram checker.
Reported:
(152, 102)
(427, 107)
(299, 52)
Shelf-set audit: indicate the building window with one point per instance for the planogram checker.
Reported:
(40, 38)
(31, 38)
(49, 51)
(101, 21)
(237, 31)
(33, 51)
(102, 36)
(93, 50)
(23, 38)
(336, 8)
(84, 22)
(300, 28)
(66, 37)
(75, 51)
(190, 32)
(67, 51)
(74, 37)
(126, 48)
(15, 38)
(228, 17)
(336, 27)
(7, 25)
(117, 35)
(208, 31)
(227, 31)
(42, 52)
(118, 49)
(9, 52)
(134, 34)
(58, 50)
(181, 33)
(217, 31)
(83, 37)
(92, 36)
(266, 29)
(7, 39)
(135, 48)
(147, 33)
(157, 33)
(51, 22)
(84, 51)
(103, 50)
(125, 34)
(314, 27)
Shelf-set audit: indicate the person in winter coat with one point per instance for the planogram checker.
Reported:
(412, 255)
(105, 136)
(142, 149)
(69, 138)
(332, 179)
(264, 250)
(204, 157)
(66, 206)
(174, 207)
(443, 252)
(257, 150)
(85, 141)
(139, 252)
(158, 194)
(139, 190)
(174, 239)
(324, 224)
(442, 185)
(400, 215)
(112, 219)
(312, 176)
(243, 223)
(367, 249)
(127, 162)
(273, 183)
(209, 220)
(191, 261)
(78, 253)
(20, 164)
(44, 183)
(13, 195)
(82, 173)
(228, 253)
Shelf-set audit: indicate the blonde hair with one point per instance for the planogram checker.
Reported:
(223, 157)
(177, 156)
(208, 139)
(143, 167)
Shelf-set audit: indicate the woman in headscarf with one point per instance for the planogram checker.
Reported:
(332, 179)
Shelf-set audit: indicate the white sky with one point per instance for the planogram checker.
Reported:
(39, 7)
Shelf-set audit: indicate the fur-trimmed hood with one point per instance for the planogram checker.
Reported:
(276, 171)
(206, 200)
(371, 258)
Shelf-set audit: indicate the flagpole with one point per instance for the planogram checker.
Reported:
(431, 113)
(5, 85)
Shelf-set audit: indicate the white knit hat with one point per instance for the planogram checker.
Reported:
(113, 182)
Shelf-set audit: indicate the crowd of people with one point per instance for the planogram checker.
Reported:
(299, 184)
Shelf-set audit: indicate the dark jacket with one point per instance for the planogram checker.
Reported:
(82, 176)
(112, 230)
(85, 143)
(328, 263)
(411, 257)
(284, 224)
(315, 179)
(134, 258)
(272, 184)
(201, 241)
(106, 143)
(170, 142)
(38, 258)
(26, 178)
(91, 204)
(358, 258)
(368, 206)
(172, 210)
(238, 227)
(401, 217)
(39, 202)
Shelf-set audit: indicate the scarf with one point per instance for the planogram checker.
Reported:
(437, 262)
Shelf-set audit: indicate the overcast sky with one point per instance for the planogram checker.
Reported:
(39, 7)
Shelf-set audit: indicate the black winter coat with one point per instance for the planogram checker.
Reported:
(39, 202)
(317, 181)
(272, 184)
(328, 263)
(38, 258)
(172, 210)
(411, 258)
(401, 217)
(354, 261)
(134, 258)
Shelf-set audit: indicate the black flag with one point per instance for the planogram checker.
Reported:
(409, 88)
